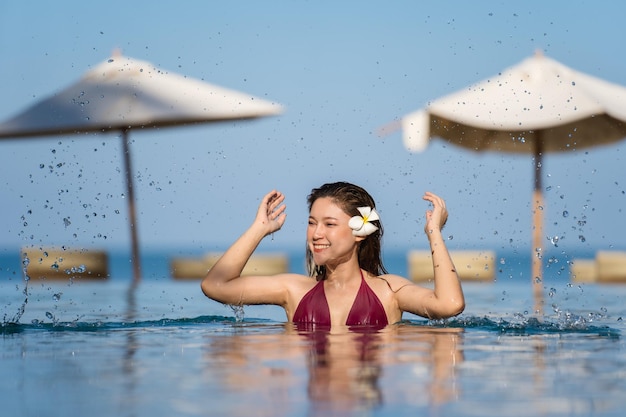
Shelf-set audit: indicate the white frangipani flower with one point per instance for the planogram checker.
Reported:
(361, 225)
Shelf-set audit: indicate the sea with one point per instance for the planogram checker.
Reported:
(158, 347)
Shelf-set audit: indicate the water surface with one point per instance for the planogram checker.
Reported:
(162, 349)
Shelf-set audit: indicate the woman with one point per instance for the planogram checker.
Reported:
(347, 282)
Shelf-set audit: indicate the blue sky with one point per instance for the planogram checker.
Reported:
(342, 70)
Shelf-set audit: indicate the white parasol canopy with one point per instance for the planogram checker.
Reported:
(124, 93)
(538, 106)
(507, 113)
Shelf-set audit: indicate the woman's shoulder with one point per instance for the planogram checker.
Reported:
(393, 277)
(393, 281)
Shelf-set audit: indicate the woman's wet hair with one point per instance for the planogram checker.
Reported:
(349, 197)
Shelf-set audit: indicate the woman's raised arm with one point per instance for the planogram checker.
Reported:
(446, 299)
(223, 281)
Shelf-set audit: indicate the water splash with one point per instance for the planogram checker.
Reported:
(20, 312)
(239, 312)
(554, 240)
(522, 324)
(77, 325)
(80, 269)
(52, 318)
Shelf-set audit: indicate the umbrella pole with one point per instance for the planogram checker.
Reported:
(537, 253)
(132, 216)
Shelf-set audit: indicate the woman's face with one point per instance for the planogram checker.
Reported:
(328, 235)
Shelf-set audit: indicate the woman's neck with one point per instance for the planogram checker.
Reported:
(343, 273)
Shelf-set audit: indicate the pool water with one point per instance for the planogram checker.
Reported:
(161, 348)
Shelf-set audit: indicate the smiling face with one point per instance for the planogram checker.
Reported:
(329, 237)
(329, 244)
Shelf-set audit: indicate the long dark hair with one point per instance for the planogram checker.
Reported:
(349, 197)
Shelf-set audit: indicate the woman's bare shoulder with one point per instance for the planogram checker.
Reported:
(395, 282)
(394, 278)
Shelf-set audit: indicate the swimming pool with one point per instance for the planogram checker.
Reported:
(162, 349)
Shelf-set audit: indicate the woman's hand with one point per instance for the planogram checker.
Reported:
(437, 217)
(271, 213)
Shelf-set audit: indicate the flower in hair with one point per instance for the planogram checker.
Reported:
(361, 225)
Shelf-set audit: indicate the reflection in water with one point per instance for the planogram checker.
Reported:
(132, 345)
(343, 370)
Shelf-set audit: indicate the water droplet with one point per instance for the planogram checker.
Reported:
(239, 312)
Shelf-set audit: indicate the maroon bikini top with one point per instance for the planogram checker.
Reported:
(366, 310)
